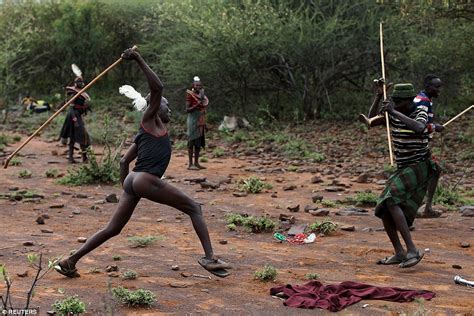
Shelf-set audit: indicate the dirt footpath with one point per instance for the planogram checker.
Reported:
(342, 256)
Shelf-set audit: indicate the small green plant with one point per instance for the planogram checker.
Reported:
(116, 257)
(292, 168)
(15, 162)
(25, 174)
(71, 305)
(141, 241)
(447, 195)
(138, 297)
(203, 159)
(251, 223)
(253, 185)
(328, 203)
(218, 152)
(366, 198)
(268, 273)
(311, 276)
(129, 275)
(52, 173)
(181, 145)
(94, 270)
(325, 227)
(16, 138)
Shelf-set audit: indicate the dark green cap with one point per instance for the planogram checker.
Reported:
(403, 91)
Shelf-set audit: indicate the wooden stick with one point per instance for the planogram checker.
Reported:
(448, 122)
(385, 97)
(62, 108)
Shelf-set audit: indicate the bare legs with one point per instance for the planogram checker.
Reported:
(150, 187)
(193, 152)
(430, 192)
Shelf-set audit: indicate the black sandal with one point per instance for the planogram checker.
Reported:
(215, 266)
(66, 271)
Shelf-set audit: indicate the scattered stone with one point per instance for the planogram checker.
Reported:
(279, 180)
(287, 218)
(112, 198)
(239, 194)
(28, 243)
(274, 195)
(289, 187)
(99, 202)
(51, 312)
(312, 170)
(13, 189)
(294, 208)
(195, 180)
(367, 229)
(320, 212)
(363, 178)
(76, 212)
(223, 242)
(175, 267)
(45, 216)
(317, 198)
(465, 244)
(23, 274)
(113, 274)
(111, 268)
(159, 220)
(80, 196)
(380, 182)
(209, 185)
(205, 290)
(352, 211)
(467, 211)
(348, 228)
(334, 189)
(81, 239)
(186, 274)
(179, 285)
(54, 152)
(308, 208)
(95, 207)
(56, 206)
(40, 220)
(317, 179)
(66, 193)
(456, 266)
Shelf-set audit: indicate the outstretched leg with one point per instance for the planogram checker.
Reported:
(391, 230)
(151, 187)
(120, 218)
(70, 153)
(190, 156)
(430, 192)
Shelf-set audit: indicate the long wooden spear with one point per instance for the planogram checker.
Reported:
(385, 96)
(448, 122)
(62, 108)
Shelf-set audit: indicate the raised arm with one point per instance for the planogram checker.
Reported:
(129, 156)
(417, 125)
(155, 84)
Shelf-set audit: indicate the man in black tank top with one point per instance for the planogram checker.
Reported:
(153, 151)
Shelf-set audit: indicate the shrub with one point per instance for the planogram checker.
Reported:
(325, 227)
(52, 173)
(141, 241)
(311, 276)
(253, 185)
(203, 159)
(218, 152)
(447, 196)
(268, 273)
(181, 145)
(251, 223)
(367, 198)
(25, 174)
(116, 257)
(71, 305)
(139, 297)
(15, 162)
(328, 203)
(129, 275)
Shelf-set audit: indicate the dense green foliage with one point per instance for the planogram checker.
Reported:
(278, 59)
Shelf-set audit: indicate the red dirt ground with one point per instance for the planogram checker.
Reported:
(339, 257)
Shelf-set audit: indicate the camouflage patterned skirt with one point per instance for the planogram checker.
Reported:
(407, 189)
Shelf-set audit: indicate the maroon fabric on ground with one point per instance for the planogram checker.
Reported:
(336, 297)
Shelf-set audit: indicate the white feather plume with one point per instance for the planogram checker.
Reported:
(76, 70)
(196, 79)
(139, 102)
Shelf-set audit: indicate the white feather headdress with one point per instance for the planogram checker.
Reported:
(139, 102)
(196, 79)
(76, 70)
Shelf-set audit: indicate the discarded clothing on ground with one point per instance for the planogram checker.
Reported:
(336, 297)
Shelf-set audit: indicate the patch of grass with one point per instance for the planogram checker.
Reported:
(328, 203)
(129, 275)
(448, 196)
(203, 159)
(15, 162)
(292, 168)
(268, 273)
(140, 297)
(181, 145)
(297, 148)
(25, 174)
(94, 270)
(324, 227)
(52, 173)
(71, 305)
(142, 241)
(251, 223)
(218, 152)
(365, 198)
(5, 139)
(116, 257)
(253, 185)
(16, 138)
(311, 276)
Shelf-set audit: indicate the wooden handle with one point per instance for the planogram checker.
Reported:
(62, 108)
(448, 122)
(389, 137)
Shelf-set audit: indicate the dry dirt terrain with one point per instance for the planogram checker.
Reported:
(341, 256)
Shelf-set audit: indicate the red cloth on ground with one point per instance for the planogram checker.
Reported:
(336, 297)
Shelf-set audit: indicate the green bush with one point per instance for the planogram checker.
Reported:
(311, 276)
(325, 227)
(253, 185)
(251, 223)
(15, 162)
(141, 241)
(328, 203)
(366, 198)
(129, 275)
(268, 273)
(448, 196)
(71, 305)
(218, 152)
(25, 174)
(52, 173)
(135, 298)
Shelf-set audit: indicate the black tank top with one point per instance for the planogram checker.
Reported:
(154, 153)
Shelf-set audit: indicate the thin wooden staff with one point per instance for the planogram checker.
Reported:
(385, 97)
(62, 108)
(448, 122)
